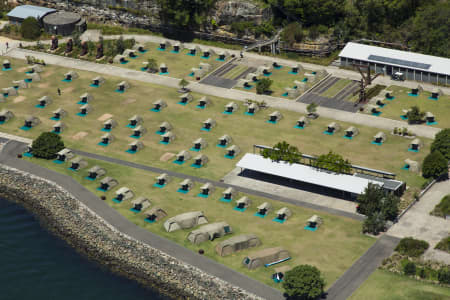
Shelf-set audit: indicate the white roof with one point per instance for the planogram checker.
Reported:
(362, 52)
(342, 182)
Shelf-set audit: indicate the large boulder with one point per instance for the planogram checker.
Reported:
(228, 12)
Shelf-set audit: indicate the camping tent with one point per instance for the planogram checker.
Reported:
(85, 109)
(297, 68)
(204, 66)
(412, 165)
(237, 243)
(109, 124)
(177, 47)
(139, 47)
(86, 98)
(108, 183)
(209, 232)
(351, 131)
(59, 113)
(129, 53)
(64, 155)
(223, 55)
(416, 144)
(200, 144)
(71, 75)
(168, 137)
(159, 104)
(183, 156)
(44, 101)
(233, 151)
(98, 81)
(300, 86)
(252, 77)
(107, 138)
(35, 69)
(135, 121)
(155, 214)
(244, 83)
(429, 117)
(5, 116)
(380, 137)
(224, 140)
(162, 179)
(252, 108)
(10, 91)
(203, 102)
(291, 92)
(34, 77)
(164, 45)
(314, 222)
(78, 163)
(198, 73)
(209, 123)
(267, 257)
(96, 172)
(333, 127)
(186, 185)
(231, 107)
(264, 208)
(275, 116)
(140, 204)
(123, 194)
(135, 146)
(163, 68)
(372, 109)
(119, 59)
(264, 70)
(186, 98)
(228, 193)
(139, 131)
(58, 127)
(284, 213)
(20, 84)
(185, 221)
(123, 86)
(31, 121)
(243, 202)
(302, 122)
(207, 189)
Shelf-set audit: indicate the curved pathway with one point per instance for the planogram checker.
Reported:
(8, 156)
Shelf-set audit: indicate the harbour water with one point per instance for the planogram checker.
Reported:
(36, 265)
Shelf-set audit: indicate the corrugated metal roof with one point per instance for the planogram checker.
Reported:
(25, 11)
(341, 182)
(404, 59)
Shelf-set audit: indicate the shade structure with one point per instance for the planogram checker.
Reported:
(185, 221)
(168, 137)
(135, 121)
(429, 117)
(252, 108)
(302, 122)
(155, 214)
(140, 204)
(5, 116)
(412, 165)
(135, 146)
(283, 213)
(59, 113)
(264, 208)
(209, 232)
(183, 156)
(237, 243)
(177, 46)
(333, 127)
(265, 257)
(109, 124)
(209, 124)
(186, 185)
(223, 55)
(31, 121)
(107, 138)
(275, 116)
(139, 47)
(139, 131)
(59, 127)
(107, 183)
(231, 107)
(159, 104)
(224, 140)
(314, 222)
(252, 77)
(204, 102)
(86, 98)
(301, 86)
(228, 193)
(204, 66)
(163, 68)
(291, 92)
(243, 202)
(351, 131)
(207, 189)
(198, 73)
(97, 81)
(162, 179)
(199, 144)
(44, 101)
(123, 86)
(380, 137)
(165, 45)
(245, 83)
(296, 68)
(233, 151)
(34, 77)
(416, 144)
(164, 127)
(264, 70)
(71, 75)
(123, 194)
(78, 163)
(64, 155)
(96, 172)
(35, 69)
(85, 109)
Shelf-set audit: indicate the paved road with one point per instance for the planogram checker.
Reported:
(362, 268)
(238, 95)
(111, 216)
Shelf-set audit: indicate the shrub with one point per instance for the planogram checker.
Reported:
(303, 282)
(422, 273)
(374, 224)
(312, 107)
(47, 145)
(263, 86)
(415, 116)
(30, 28)
(409, 268)
(412, 247)
(444, 244)
(434, 165)
(441, 143)
(333, 162)
(444, 275)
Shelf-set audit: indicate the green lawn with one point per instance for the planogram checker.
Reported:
(186, 120)
(440, 109)
(388, 286)
(336, 88)
(236, 71)
(333, 248)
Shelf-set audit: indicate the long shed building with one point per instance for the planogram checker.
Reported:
(414, 66)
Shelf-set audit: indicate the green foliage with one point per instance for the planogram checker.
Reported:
(282, 151)
(119, 46)
(313, 32)
(444, 275)
(412, 247)
(185, 13)
(240, 28)
(415, 116)
(409, 268)
(443, 208)
(333, 162)
(434, 165)
(372, 92)
(374, 223)
(292, 33)
(30, 29)
(263, 85)
(444, 244)
(303, 282)
(47, 145)
(183, 83)
(152, 65)
(441, 143)
(312, 108)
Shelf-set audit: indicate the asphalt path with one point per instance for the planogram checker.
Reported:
(8, 157)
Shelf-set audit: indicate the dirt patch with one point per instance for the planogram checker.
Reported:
(44, 85)
(129, 101)
(104, 117)
(167, 156)
(23, 69)
(68, 90)
(79, 135)
(19, 99)
(47, 74)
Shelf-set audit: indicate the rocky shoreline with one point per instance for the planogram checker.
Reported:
(90, 235)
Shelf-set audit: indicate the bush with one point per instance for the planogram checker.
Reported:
(410, 268)
(303, 282)
(412, 247)
(30, 28)
(374, 224)
(415, 116)
(333, 162)
(444, 244)
(434, 165)
(263, 86)
(47, 145)
(292, 33)
(444, 275)
(443, 208)
(441, 143)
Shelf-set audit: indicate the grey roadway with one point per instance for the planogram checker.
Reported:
(8, 157)
(344, 116)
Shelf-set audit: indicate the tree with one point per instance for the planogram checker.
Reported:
(183, 83)
(415, 116)
(303, 282)
(312, 108)
(119, 46)
(444, 275)
(375, 200)
(292, 33)
(30, 28)
(409, 268)
(282, 151)
(333, 162)
(435, 165)
(185, 13)
(263, 85)
(76, 38)
(152, 65)
(374, 223)
(47, 145)
(441, 143)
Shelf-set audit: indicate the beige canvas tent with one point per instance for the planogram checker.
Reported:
(34, 77)
(139, 47)
(302, 122)
(59, 127)
(416, 144)
(380, 137)
(267, 256)
(237, 243)
(31, 121)
(314, 222)
(224, 140)
(204, 66)
(209, 124)
(59, 113)
(283, 213)
(183, 156)
(123, 194)
(119, 59)
(64, 155)
(186, 185)
(22, 84)
(275, 116)
(9, 91)
(207, 189)
(109, 124)
(300, 86)
(165, 45)
(264, 70)
(223, 55)
(123, 86)
(194, 50)
(412, 165)
(177, 47)
(200, 160)
(86, 98)
(98, 81)
(168, 137)
(163, 68)
(252, 77)
(351, 132)
(44, 101)
(229, 193)
(231, 107)
(159, 104)
(296, 68)
(233, 151)
(204, 102)
(96, 172)
(35, 69)
(140, 203)
(429, 117)
(78, 163)
(185, 221)
(244, 83)
(291, 92)
(135, 121)
(6, 64)
(198, 73)
(252, 108)
(107, 138)
(135, 146)
(243, 203)
(108, 183)
(155, 214)
(199, 144)
(209, 232)
(5, 116)
(71, 75)
(164, 127)
(129, 53)
(264, 208)
(85, 109)
(162, 179)
(139, 131)
(333, 127)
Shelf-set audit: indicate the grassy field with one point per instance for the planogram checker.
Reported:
(440, 109)
(336, 88)
(236, 71)
(389, 286)
(187, 121)
(333, 248)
